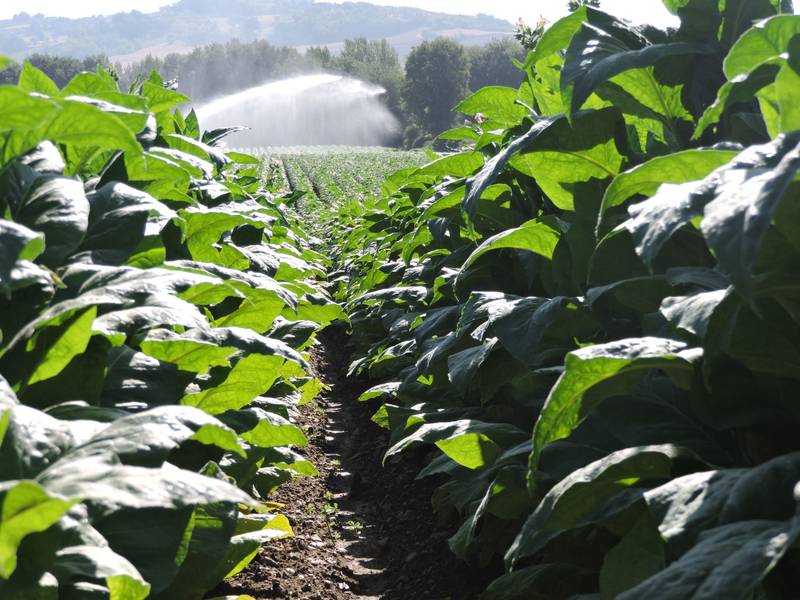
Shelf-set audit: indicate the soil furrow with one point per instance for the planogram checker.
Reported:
(362, 531)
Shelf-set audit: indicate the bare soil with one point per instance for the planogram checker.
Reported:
(362, 531)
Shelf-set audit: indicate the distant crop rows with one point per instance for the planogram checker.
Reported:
(334, 174)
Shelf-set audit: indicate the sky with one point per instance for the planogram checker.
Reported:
(635, 10)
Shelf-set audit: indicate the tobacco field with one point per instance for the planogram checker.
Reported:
(587, 311)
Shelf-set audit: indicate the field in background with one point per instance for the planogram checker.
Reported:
(333, 175)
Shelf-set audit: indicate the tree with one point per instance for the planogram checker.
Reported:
(60, 69)
(375, 61)
(319, 56)
(437, 78)
(493, 64)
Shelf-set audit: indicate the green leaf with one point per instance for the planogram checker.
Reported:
(72, 340)
(108, 488)
(551, 580)
(737, 219)
(461, 164)
(26, 508)
(679, 167)
(20, 111)
(160, 98)
(638, 556)
(32, 79)
(596, 55)
(478, 184)
(118, 219)
(587, 495)
(566, 405)
(89, 85)
(786, 94)
(471, 443)
(92, 562)
(693, 313)
(654, 221)
(250, 377)
(459, 134)
(149, 436)
(189, 354)
(82, 125)
(764, 42)
(58, 208)
(728, 562)
(741, 88)
(568, 154)
(17, 242)
(463, 367)
(534, 236)
(210, 530)
(273, 431)
(763, 493)
(496, 102)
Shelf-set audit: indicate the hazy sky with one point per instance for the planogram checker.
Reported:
(635, 10)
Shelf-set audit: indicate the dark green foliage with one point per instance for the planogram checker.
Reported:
(152, 293)
(590, 309)
(58, 68)
(493, 64)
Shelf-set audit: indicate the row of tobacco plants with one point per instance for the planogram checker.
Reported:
(592, 310)
(156, 304)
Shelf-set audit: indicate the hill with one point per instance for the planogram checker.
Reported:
(191, 23)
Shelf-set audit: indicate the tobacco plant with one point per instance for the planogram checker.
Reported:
(590, 310)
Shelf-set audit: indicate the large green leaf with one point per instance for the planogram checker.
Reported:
(728, 562)
(764, 493)
(478, 184)
(737, 219)
(567, 405)
(461, 164)
(639, 555)
(567, 154)
(534, 236)
(32, 79)
(187, 353)
(27, 508)
(108, 487)
(160, 98)
(119, 218)
(656, 220)
(93, 562)
(762, 43)
(498, 103)
(251, 376)
(82, 125)
(17, 242)
(473, 444)
(24, 112)
(679, 167)
(740, 89)
(71, 339)
(597, 54)
(147, 438)
(58, 208)
(578, 499)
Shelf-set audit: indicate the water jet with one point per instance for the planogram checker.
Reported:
(308, 110)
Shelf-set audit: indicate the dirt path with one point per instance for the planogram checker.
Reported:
(362, 531)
